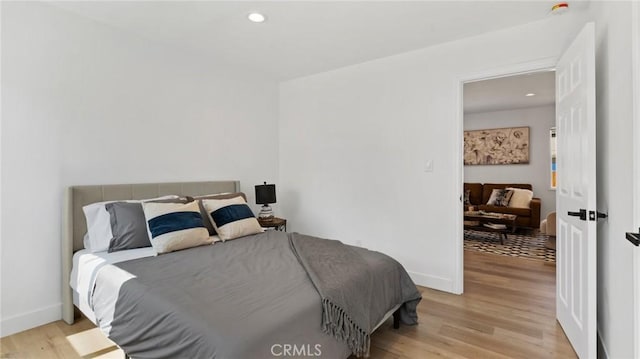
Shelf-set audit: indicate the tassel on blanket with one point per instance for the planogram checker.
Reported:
(337, 323)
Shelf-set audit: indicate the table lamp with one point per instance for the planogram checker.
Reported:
(265, 195)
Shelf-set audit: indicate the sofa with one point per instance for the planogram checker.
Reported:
(479, 196)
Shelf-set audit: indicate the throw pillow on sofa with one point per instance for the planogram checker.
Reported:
(467, 193)
(521, 197)
(500, 197)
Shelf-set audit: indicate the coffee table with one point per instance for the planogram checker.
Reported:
(477, 220)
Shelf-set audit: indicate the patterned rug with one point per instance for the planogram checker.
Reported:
(516, 245)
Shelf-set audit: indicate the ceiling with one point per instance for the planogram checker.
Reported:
(508, 93)
(305, 37)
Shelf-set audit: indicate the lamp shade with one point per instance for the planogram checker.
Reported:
(265, 193)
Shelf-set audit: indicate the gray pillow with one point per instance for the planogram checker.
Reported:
(128, 225)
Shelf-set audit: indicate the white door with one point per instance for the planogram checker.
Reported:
(635, 44)
(576, 193)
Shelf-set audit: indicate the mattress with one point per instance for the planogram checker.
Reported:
(86, 266)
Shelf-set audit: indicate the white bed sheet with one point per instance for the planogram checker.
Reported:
(85, 269)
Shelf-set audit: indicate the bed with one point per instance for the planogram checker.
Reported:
(249, 297)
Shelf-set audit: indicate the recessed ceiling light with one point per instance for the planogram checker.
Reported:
(530, 94)
(256, 17)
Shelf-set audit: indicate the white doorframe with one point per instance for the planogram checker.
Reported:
(635, 70)
(548, 63)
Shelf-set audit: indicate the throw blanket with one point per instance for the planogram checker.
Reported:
(348, 279)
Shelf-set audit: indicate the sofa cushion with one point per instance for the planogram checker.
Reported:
(475, 193)
(489, 187)
(520, 212)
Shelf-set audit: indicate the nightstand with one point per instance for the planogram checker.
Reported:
(279, 224)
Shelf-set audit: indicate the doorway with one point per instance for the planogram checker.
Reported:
(542, 65)
(512, 119)
(509, 165)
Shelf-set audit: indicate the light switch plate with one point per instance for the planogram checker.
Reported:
(428, 166)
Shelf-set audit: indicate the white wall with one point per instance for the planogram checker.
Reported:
(537, 171)
(354, 142)
(615, 145)
(84, 103)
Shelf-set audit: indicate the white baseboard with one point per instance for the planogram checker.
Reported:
(24, 321)
(432, 281)
(602, 349)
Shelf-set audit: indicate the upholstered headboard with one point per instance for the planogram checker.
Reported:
(75, 226)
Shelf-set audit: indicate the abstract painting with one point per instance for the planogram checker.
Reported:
(497, 146)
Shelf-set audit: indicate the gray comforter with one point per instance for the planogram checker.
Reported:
(246, 298)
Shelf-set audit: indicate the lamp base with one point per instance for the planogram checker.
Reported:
(266, 213)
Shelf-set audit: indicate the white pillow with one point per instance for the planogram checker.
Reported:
(521, 197)
(98, 219)
(232, 217)
(175, 226)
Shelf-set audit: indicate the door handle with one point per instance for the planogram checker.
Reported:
(582, 214)
(595, 215)
(634, 238)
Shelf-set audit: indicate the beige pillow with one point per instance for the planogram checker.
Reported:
(521, 197)
(232, 218)
(175, 226)
(203, 211)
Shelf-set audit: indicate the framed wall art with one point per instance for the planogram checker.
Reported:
(497, 146)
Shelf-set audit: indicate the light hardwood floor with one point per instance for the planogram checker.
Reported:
(507, 311)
